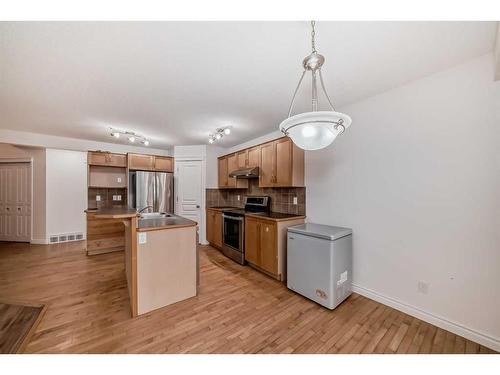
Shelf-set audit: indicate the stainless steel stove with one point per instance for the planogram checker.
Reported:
(233, 226)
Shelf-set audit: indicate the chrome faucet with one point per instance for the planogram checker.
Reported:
(145, 208)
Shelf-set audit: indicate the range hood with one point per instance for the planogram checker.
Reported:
(252, 172)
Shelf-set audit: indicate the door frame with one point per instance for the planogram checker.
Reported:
(202, 224)
(30, 161)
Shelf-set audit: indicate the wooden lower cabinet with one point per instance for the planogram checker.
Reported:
(265, 244)
(104, 235)
(214, 227)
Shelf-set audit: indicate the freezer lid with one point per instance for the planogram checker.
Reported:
(326, 232)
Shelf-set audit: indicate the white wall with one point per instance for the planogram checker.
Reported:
(66, 189)
(213, 152)
(417, 177)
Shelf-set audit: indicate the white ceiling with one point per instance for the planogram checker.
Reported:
(175, 82)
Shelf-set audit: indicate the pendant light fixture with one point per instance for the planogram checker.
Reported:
(316, 129)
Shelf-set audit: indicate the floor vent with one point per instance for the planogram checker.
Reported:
(58, 238)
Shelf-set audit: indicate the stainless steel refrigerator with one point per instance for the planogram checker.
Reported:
(151, 191)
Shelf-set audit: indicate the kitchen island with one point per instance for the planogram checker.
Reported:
(160, 258)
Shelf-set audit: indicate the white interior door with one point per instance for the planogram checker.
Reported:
(189, 190)
(15, 202)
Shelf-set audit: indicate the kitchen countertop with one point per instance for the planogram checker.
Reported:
(174, 221)
(113, 213)
(275, 216)
(143, 225)
(221, 208)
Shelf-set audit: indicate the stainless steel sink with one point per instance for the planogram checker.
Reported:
(154, 215)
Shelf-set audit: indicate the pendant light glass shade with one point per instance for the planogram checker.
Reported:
(315, 130)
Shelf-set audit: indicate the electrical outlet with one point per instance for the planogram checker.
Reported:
(118, 179)
(98, 198)
(118, 197)
(423, 287)
(294, 200)
(114, 197)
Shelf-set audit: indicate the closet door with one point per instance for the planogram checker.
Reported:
(15, 202)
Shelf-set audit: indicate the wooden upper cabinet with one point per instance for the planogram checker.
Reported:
(164, 163)
(253, 157)
(223, 173)
(248, 158)
(141, 162)
(228, 164)
(107, 159)
(267, 162)
(242, 159)
(232, 165)
(281, 164)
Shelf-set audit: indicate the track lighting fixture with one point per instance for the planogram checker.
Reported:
(218, 134)
(131, 136)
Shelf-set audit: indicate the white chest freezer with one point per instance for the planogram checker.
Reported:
(319, 262)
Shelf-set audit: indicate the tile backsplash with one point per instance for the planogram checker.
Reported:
(281, 198)
(106, 196)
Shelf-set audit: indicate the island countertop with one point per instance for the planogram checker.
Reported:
(174, 221)
(113, 213)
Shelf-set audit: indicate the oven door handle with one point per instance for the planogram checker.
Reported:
(232, 218)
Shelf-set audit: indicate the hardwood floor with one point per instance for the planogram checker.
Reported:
(18, 322)
(238, 310)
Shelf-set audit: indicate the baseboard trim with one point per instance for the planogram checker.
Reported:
(41, 241)
(456, 328)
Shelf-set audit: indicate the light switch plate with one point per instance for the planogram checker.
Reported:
(118, 179)
(143, 238)
(98, 198)
(294, 200)
(118, 197)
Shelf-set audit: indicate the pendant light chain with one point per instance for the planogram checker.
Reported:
(313, 34)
